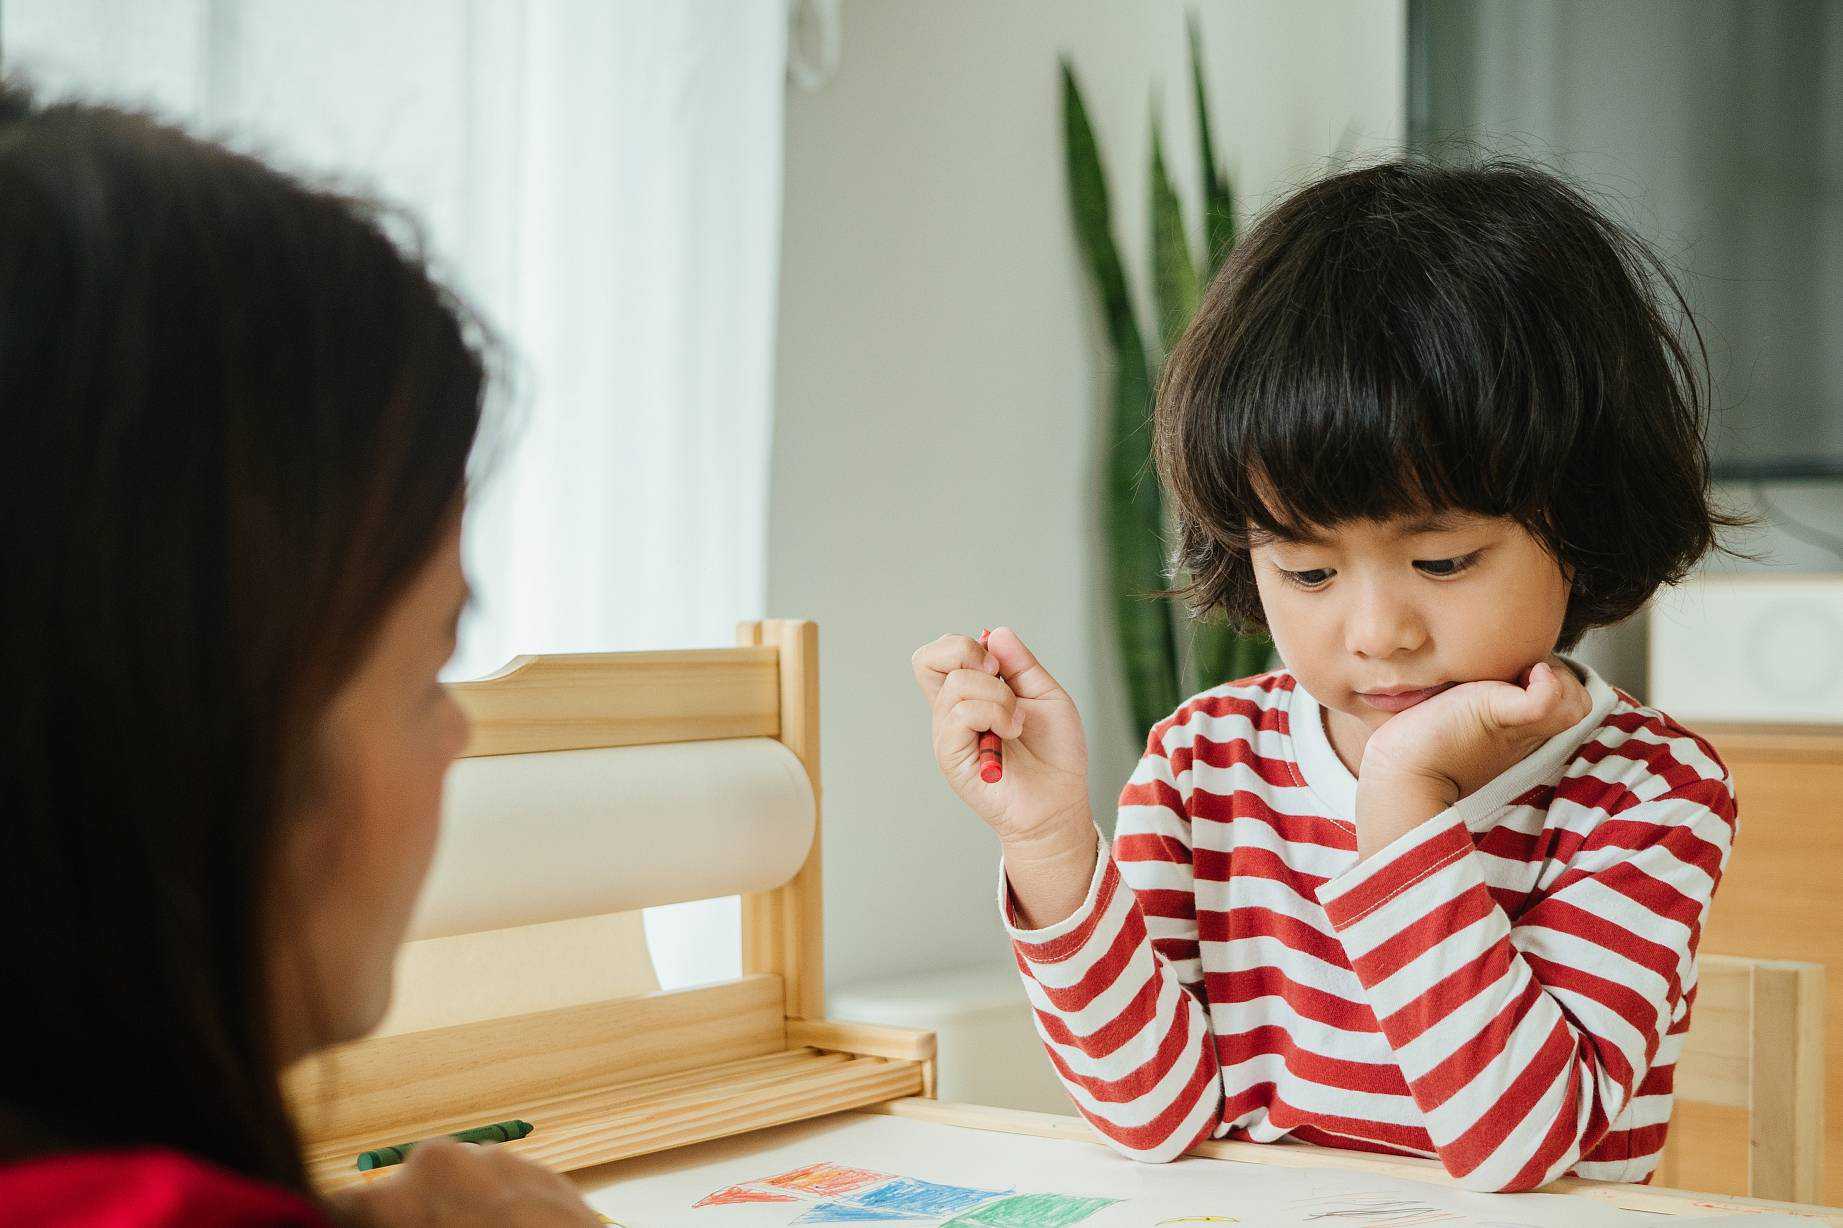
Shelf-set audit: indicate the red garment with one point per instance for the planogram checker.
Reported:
(1505, 987)
(143, 1188)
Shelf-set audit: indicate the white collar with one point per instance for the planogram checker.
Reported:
(1335, 786)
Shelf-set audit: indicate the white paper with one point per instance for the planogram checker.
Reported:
(581, 833)
(925, 1175)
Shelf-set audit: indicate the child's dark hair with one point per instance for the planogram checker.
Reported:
(1410, 337)
(238, 421)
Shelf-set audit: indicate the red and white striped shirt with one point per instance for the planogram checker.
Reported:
(1505, 987)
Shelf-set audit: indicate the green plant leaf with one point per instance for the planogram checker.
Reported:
(1135, 541)
(1093, 216)
(1174, 273)
(1218, 192)
(1215, 654)
(1256, 655)
(1132, 515)
(1219, 655)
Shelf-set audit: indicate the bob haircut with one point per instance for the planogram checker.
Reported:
(1407, 338)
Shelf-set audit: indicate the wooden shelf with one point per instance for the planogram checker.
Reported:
(1776, 743)
(596, 1125)
(645, 1071)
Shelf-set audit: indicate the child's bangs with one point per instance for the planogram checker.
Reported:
(1393, 396)
(1291, 492)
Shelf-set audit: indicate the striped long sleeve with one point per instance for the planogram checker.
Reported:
(1523, 1043)
(1505, 987)
(1117, 987)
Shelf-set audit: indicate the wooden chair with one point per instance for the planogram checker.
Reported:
(1778, 896)
(1752, 1070)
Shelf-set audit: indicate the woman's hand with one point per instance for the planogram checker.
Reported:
(445, 1184)
(1039, 808)
(1421, 761)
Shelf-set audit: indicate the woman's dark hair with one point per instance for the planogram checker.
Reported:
(1409, 337)
(238, 421)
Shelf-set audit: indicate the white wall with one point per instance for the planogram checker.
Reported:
(935, 458)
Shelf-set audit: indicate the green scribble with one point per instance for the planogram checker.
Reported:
(1032, 1211)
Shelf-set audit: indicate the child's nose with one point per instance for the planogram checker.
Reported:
(1381, 625)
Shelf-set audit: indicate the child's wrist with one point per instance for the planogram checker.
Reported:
(1390, 805)
(1051, 871)
(1407, 782)
(1068, 835)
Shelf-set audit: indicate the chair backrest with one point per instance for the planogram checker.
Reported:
(1755, 1050)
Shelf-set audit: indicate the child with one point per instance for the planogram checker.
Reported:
(238, 422)
(1429, 888)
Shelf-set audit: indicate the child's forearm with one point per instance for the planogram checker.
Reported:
(1050, 873)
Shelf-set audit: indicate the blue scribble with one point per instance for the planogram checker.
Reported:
(924, 1198)
(845, 1213)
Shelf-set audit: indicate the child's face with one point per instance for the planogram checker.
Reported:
(1414, 604)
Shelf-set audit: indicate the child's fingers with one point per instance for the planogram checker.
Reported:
(934, 661)
(1569, 701)
(961, 725)
(1550, 700)
(1019, 666)
(970, 685)
(1514, 706)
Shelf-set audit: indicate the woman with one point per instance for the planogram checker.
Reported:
(237, 423)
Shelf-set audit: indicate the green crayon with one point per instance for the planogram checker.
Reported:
(498, 1132)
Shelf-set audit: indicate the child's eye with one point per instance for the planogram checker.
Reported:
(1443, 568)
(1317, 577)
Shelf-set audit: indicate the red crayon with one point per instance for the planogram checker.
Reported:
(991, 746)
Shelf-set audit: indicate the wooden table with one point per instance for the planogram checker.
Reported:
(1647, 1198)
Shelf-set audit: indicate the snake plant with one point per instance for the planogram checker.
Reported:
(1147, 621)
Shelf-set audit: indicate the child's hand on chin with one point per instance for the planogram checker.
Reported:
(1454, 743)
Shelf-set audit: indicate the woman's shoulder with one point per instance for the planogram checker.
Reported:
(142, 1188)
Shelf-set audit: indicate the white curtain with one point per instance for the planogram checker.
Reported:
(601, 178)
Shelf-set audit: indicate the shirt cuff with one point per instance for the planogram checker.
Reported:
(1053, 943)
(1405, 870)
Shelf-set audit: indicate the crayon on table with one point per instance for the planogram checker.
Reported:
(991, 746)
(498, 1132)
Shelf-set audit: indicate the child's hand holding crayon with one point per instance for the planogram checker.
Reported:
(1039, 806)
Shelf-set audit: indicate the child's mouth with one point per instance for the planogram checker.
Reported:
(1400, 701)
